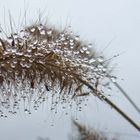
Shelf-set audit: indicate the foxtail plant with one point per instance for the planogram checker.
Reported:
(40, 61)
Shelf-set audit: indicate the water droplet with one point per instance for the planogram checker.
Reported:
(72, 44)
(87, 52)
(2, 64)
(92, 60)
(29, 55)
(23, 64)
(65, 43)
(29, 50)
(35, 42)
(90, 45)
(32, 29)
(63, 39)
(10, 40)
(23, 59)
(8, 49)
(84, 48)
(15, 35)
(100, 59)
(104, 69)
(28, 65)
(13, 50)
(33, 46)
(77, 38)
(19, 53)
(49, 32)
(62, 35)
(31, 60)
(109, 88)
(85, 104)
(95, 70)
(113, 79)
(13, 65)
(71, 33)
(42, 32)
(26, 111)
(71, 40)
(21, 43)
(81, 50)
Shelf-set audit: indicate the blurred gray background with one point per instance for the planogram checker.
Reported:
(99, 22)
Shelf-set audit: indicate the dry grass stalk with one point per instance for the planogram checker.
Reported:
(40, 61)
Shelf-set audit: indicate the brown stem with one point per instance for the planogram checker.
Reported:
(114, 106)
(126, 96)
(99, 95)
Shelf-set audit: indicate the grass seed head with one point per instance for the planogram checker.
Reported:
(39, 61)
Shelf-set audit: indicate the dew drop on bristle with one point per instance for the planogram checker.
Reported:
(42, 32)
(90, 45)
(100, 59)
(87, 52)
(92, 60)
(32, 30)
(113, 79)
(84, 48)
(13, 65)
(26, 111)
(77, 38)
(13, 50)
(49, 32)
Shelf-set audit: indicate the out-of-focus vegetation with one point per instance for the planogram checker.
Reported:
(82, 132)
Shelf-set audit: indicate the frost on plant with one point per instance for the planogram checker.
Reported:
(39, 62)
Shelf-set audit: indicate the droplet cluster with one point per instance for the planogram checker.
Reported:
(39, 62)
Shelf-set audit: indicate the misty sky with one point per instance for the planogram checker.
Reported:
(99, 22)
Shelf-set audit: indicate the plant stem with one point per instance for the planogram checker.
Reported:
(98, 94)
(126, 95)
(114, 106)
